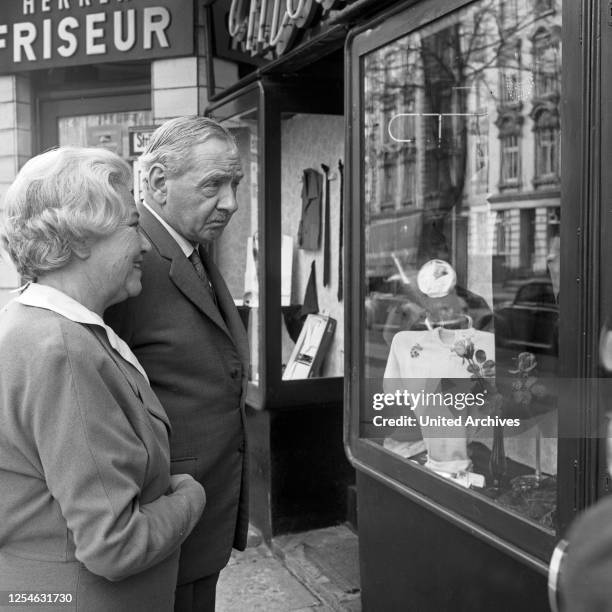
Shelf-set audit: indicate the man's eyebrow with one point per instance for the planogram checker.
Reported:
(221, 175)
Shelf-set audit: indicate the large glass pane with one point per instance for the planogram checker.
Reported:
(312, 329)
(461, 141)
(237, 249)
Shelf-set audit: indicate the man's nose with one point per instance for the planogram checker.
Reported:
(227, 201)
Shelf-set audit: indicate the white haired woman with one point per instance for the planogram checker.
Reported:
(88, 509)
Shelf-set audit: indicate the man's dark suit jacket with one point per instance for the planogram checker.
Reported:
(196, 356)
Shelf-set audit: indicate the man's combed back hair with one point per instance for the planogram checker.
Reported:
(60, 201)
(172, 142)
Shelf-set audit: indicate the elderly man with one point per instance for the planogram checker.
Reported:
(187, 334)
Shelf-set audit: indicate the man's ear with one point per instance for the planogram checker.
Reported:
(156, 183)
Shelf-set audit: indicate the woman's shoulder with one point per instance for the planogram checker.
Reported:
(30, 331)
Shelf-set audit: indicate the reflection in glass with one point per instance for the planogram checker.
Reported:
(237, 249)
(461, 164)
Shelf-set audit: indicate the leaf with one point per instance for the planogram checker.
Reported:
(480, 356)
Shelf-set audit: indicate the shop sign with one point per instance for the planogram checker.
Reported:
(38, 34)
(266, 27)
(139, 138)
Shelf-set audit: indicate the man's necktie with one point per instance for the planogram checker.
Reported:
(195, 259)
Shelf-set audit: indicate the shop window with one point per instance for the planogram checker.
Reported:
(108, 130)
(454, 269)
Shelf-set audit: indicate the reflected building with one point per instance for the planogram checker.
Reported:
(462, 155)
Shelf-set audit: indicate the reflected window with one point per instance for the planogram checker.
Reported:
(408, 172)
(546, 63)
(510, 159)
(389, 181)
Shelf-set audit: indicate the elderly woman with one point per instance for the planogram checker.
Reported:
(88, 509)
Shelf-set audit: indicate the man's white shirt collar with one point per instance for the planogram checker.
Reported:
(43, 296)
(185, 245)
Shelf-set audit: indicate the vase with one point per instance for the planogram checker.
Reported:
(497, 462)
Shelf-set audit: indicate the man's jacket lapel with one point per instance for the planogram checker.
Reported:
(182, 273)
(228, 308)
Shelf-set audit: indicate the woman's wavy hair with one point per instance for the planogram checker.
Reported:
(60, 202)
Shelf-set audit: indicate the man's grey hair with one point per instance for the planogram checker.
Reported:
(60, 202)
(172, 142)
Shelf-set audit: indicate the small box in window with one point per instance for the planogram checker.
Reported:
(311, 348)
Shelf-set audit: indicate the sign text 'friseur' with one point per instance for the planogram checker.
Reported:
(38, 34)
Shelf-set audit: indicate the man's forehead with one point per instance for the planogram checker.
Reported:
(217, 155)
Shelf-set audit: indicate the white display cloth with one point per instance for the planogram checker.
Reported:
(418, 361)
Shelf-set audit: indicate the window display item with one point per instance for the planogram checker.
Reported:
(436, 278)
(311, 348)
(309, 231)
(251, 286)
(340, 237)
(326, 235)
(420, 361)
(311, 301)
(295, 314)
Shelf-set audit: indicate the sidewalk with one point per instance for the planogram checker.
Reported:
(311, 571)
